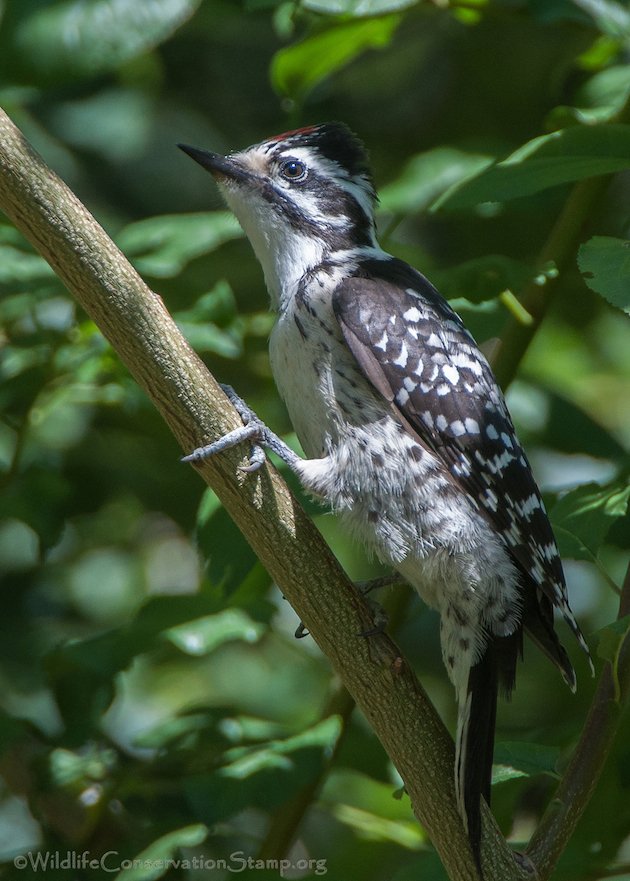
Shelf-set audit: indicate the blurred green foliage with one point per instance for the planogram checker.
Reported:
(154, 702)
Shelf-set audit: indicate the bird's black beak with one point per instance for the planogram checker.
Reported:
(218, 165)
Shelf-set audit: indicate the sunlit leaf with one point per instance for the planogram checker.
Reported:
(210, 338)
(296, 70)
(548, 161)
(377, 828)
(204, 635)
(583, 517)
(610, 17)
(599, 99)
(263, 775)
(245, 761)
(428, 175)
(174, 730)
(357, 8)
(162, 246)
(158, 858)
(605, 266)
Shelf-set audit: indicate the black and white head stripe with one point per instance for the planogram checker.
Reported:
(335, 195)
(331, 141)
(417, 353)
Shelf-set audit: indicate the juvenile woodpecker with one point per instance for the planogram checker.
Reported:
(406, 431)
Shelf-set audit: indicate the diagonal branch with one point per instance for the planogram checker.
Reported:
(137, 325)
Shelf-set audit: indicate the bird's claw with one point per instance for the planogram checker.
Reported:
(252, 429)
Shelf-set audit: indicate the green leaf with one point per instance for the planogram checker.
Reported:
(18, 265)
(482, 279)
(357, 8)
(296, 70)
(172, 732)
(548, 161)
(583, 517)
(94, 37)
(204, 635)
(162, 246)
(611, 18)
(605, 265)
(160, 857)
(263, 776)
(520, 759)
(210, 338)
(597, 101)
(427, 175)
(245, 760)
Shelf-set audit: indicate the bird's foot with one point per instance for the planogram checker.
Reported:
(253, 430)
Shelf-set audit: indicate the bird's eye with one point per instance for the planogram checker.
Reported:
(293, 170)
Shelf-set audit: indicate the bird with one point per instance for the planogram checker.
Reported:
(406, 433)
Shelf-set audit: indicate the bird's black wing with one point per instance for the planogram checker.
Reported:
(416, 352)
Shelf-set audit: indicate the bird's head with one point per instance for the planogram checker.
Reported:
(300, 197)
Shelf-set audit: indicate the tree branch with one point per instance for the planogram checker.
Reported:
(588, 759)
(137, 325)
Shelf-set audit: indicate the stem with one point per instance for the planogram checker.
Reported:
(136, 323)
(537, 296)
(588, 760)
(560, 247)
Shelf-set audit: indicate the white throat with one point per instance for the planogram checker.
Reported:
(284, 253)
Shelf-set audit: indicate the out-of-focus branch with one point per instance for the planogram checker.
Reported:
(587, 762)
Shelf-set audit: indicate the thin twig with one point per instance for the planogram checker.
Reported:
(588, 760)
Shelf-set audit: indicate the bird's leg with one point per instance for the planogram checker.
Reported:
(262, 438)
(367, 587)
(254, 430)
(380, 615)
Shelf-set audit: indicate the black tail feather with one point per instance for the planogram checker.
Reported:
(475, 744)
(478, 745)
(538, 622)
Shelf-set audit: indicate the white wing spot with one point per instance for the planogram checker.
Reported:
(472, 426)
(434, 341)
(492, 433)
(403, 357)
(451, 373)
(457, 427)
(491, 500)
(441, 422)
(412, 315)
(382, 343)
(409, 384)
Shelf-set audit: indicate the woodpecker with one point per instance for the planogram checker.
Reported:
(406, 432)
